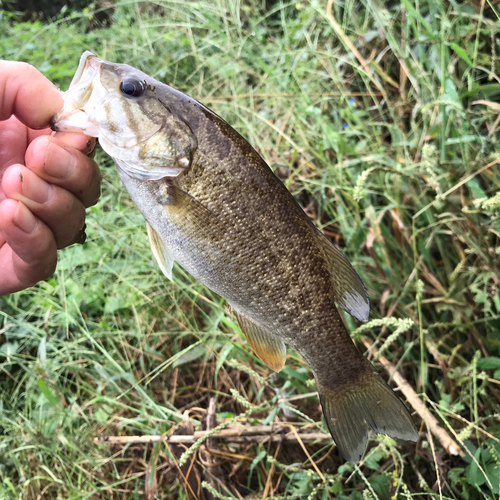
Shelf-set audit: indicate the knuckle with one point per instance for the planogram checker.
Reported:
(50, 268)
(73, 231)
(27, 68)
(94, 197)
(31, 280)
(92, 192)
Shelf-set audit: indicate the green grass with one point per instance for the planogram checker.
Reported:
(387, 158)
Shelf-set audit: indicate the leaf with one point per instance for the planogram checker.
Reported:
(381, 486)
(373, 461)
(151, 486)
(490, 363)
(9, 348)
(476, 190)
(493, 473)
(450, 92)
(191, 355)
(489, 88)
(222, 357)
(461, 53)
(490, 104)
(270, 418)
(102, 414)
(336, 487)
(42, 349)
(415, 15)
(455, 475)
(473, 474)
(255, 462)
(53, 400)
(10, 485)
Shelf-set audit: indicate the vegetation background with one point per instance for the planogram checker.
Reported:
(383, 119)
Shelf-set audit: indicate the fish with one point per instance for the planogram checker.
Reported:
(213, 205)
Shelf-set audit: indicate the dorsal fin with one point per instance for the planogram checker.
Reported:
(161, 252)
(270, 348)
(350, 293)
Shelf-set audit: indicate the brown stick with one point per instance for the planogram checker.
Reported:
(251, 434)
(416, 403)
(340, 32)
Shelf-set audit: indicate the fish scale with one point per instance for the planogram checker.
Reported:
(212, 204)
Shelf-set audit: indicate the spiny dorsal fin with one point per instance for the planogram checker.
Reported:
(350, 293)
(270, 349)
(161, 252)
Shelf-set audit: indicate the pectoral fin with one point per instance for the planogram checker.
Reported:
(161, 252)
(350, 293)
(193, 218)
(270, 348)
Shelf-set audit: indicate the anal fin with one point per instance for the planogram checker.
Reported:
(269, 347)
(162, 254)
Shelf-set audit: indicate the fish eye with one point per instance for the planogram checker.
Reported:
(130, 87)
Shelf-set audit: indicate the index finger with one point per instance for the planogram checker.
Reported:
(27, 94)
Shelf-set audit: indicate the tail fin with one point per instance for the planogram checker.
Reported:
(369, 403)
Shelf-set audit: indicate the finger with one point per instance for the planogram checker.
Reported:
(61, 211)
(27, 94)
(33, 134)
(13, 142)
(29, 253)
(65, 167)
(82, 142)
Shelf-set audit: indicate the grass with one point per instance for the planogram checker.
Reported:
(392, 151)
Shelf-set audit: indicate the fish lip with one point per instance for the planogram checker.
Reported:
(77, 96)
(85, 61)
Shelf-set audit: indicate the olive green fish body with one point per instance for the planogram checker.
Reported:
(214, 206)
(258, 251)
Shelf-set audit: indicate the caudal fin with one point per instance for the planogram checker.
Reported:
(367, 404)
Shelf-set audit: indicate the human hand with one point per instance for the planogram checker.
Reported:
(46, 179)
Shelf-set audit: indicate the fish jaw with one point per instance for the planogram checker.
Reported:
(85, 92)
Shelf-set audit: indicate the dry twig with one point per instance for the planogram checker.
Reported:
(416, 403)
(236, 434)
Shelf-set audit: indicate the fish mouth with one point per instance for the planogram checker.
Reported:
(85, 83)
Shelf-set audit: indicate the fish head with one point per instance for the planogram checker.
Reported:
(121, 106)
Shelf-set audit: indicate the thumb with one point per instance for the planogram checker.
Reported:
(27, 94)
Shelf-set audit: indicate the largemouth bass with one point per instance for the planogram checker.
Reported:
(212, 204)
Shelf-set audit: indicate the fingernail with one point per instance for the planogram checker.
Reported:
(24, 219)
(59, 163)
(32, 186)
(90, 148)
